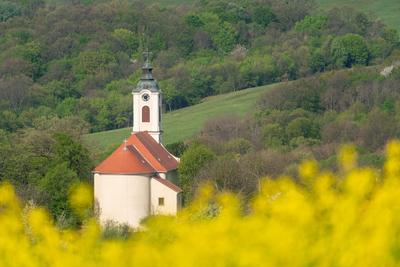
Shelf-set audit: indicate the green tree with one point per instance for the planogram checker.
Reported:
(55, 187)
(349, 50)
(303, 127)
(311, 24)
(317, 61)
(73, 154)
(225, 38)
(8, 10)
(263, 15)
(128, 40)
(193, 159)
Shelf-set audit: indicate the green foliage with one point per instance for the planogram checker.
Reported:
(273, 135)
(386, 10)
(311, 24)
(303, 127)
(66, 57)
(225, 38)
(177, 149)
(192, 161)
(128, 40)
(8, 10)
(263, 15)
(349, 50)
(72, 152)
(239, 146)
(194, 21)
(55, 186)
(44, 164)
(317, 61)
(92, 62)
(114, 231)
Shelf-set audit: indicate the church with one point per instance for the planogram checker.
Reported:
(138, 178)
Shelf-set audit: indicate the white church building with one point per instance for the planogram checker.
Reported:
(138, 178)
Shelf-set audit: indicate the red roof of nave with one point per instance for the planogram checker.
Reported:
(140, 155)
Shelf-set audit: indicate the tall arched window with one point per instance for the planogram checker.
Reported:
(145, 114)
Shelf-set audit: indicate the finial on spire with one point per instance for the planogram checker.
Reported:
(147, 80)
(147, 58)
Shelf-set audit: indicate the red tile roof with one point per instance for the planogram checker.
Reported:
(140, 155)
(168, 184)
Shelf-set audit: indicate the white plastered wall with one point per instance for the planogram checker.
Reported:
(159, 190)
(154, 126)
(122, 198)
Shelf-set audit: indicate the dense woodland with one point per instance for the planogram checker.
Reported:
(68, 67)
(81, 58)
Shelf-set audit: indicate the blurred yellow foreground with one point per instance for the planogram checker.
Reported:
(352, 219)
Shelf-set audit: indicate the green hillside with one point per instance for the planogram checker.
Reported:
(184, 123)
(387, 10)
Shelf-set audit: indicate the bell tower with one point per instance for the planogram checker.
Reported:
(147, 103)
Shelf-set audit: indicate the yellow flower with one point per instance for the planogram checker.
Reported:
(347, 157)
(81, 198)
(326, 220)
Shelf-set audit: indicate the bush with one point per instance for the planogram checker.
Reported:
(177, 149)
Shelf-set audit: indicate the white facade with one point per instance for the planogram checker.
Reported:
(163, 199)
(122, 198)
(153, 101)
(127, 199)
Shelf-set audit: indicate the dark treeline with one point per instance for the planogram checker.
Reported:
(81, 58)
(44, 162)
(306, 119)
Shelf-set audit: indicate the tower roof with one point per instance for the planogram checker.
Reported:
(147, 80)
(140, 154)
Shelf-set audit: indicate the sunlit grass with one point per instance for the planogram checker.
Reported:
(386, 10)
(184, 123)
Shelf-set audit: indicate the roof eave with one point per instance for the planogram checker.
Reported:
(122, 173)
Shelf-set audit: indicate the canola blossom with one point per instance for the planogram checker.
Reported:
(348, 219)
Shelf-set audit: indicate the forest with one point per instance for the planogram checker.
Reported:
(81, 58)
(67, 68)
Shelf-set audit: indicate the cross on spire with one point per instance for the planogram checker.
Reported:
(147, 55)
(147, 68)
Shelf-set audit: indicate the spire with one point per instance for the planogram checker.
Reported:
(147, 67)
(147, 80)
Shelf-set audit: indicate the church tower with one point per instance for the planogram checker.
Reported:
(147, 103)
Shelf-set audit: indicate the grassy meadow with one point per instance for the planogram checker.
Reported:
(185, 123)
(387, 10)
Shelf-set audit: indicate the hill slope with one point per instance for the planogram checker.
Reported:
(387, 10)
(185, 123)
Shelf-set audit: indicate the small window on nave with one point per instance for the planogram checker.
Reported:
(160, 201)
